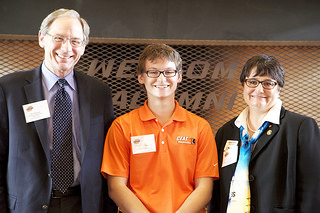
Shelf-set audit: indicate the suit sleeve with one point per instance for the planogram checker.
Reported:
(308, 167)
(109, 113)
(4, 140)
(109, 205)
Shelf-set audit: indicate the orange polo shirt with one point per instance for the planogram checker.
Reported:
(161, 162)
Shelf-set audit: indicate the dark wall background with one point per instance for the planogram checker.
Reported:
(267, 20)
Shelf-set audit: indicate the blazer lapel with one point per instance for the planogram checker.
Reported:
(34, 93)
(267, 135)
(264, 139)
(83, 89)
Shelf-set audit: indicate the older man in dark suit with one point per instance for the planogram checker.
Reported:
(39, 148)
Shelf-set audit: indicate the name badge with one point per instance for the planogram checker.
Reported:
(230, 153)
(143, 144)
(36, 111)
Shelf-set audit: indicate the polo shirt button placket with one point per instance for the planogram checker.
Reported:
(162, 142)
(162, 139)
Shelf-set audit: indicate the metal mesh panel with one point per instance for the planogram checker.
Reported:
(210, 86)
(19, 55)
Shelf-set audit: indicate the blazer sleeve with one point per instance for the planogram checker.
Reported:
(4, 141)
(308, 166)
(219, 195)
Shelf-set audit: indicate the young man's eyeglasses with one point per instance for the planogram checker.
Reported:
(266, 84)
(75, 42)
(165, 73)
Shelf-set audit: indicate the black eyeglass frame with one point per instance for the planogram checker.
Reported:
(163, 72)
(261, 82)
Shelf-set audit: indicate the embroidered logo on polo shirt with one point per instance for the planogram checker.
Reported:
(186, 140)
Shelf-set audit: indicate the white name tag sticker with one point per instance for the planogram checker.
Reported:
(143, 144)
(36, 111)
(230, 153)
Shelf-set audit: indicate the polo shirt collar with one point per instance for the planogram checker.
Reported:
(145, 113)
(179, 113)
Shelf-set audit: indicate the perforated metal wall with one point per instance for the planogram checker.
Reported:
(210, 86)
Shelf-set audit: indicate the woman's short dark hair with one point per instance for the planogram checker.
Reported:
(265, 65)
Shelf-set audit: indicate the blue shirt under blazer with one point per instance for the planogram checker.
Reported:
(284, 170)
(25, 182)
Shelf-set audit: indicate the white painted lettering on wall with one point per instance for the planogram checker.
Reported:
(195, 70)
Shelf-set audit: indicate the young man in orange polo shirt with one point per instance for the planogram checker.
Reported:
(160, 157)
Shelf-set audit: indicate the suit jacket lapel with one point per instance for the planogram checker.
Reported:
(83, 89)
(34, 93)
(267, 135)
(265, 138)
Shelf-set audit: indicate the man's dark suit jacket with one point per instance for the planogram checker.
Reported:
(284, 170)
(25, 183)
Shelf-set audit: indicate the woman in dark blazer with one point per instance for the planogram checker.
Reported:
(284, 167)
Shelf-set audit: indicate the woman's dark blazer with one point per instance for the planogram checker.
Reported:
(284, 170)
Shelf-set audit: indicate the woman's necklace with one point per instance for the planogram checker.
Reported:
(248, 125)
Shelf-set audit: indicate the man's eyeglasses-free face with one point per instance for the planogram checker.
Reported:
(75, 42)
(165, 73)
(266, 84)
